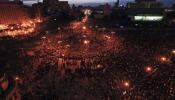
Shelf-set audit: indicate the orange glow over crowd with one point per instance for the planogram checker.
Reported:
(22, 29)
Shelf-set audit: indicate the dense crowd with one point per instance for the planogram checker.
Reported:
(107, 66)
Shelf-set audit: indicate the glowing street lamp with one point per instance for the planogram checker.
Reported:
(17, 78)
(99, 66)
(108, 37)
(126, 84)
(173, 51)
(163, 59)
(86, 42)
(84, 28)
(148, 69)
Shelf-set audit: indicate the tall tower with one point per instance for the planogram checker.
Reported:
(118, 3)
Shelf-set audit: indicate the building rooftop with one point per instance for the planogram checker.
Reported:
(145, 0)
(12, 13)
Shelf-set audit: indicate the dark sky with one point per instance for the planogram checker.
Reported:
(166, 2)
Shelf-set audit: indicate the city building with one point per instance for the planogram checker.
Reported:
(79, 12)
(38, 10)
(102, 11)
(56, 6)
(144, 4)
(119, 14)
(13, 12)
(173, 6)
(117, 4)
(10, 1)
(146, 11)
(107, 10)
(170, 16)
(98, 12)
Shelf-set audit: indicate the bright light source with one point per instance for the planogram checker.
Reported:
(43, 37)
(113, 32)
(99, 66)
(87, 12)
(84, 27)
(148, 18)
(84, 35)
(108, 37)
(25, 28)
(163, 59)
(17, 78)
(173, 51)
(126, 84)
(59, 28)
(122, 27)
(3, 27)
(148, 69)
(86, 42)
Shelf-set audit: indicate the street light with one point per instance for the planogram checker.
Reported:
(173, 51)
(163, 59)
(108, 37)
(17, 78)
(86, 42)
(148, 69)
(126, 84)
(84, 27)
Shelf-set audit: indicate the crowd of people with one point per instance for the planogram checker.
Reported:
(86, 63)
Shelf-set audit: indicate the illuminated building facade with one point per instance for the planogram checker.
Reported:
(144, 15)
(146, 11)
(16, 19)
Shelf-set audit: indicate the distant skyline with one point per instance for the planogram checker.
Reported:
(166, 2)
(78, 1)
(91, 1)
